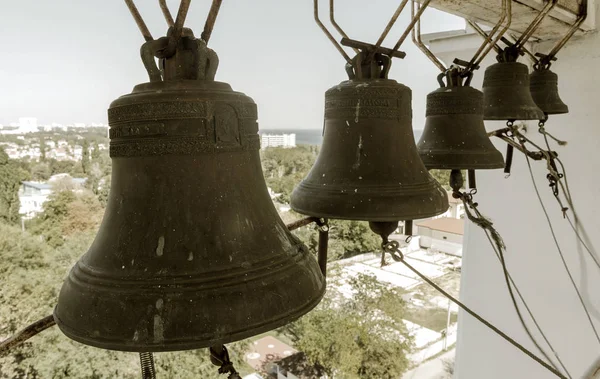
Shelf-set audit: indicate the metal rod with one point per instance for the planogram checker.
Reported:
(180, 20)
(484, 321)
(486, 37)
(210, 20)
(408, 227)
(508, 4)
(25, 334)
(391, 23)
(472, 179)
(582, 16)
(416, 37)
(411, 25)
(323, 245)
(336, 25)
(302, 222)
(535, 23)
(487, 40)
(331, 38)
(139, 20)
(166, 12)
(510, 150)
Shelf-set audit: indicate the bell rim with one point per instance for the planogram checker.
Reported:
(376, 216)
(167, 346)
(429, 155)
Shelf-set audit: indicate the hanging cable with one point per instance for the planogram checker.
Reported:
(393, 249)
(587, 313)
(498, 247)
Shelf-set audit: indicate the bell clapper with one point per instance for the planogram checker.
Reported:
(384, 229)
(219, 356)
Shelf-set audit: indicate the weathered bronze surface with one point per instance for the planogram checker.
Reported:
(544, 90)
(368, 167)
(506, 93)
(454, 136)
(191, 252)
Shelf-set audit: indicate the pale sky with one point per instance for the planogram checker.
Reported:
(66, 60)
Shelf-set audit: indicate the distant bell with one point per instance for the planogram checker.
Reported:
(191, 252)
(368, 167)
(454, 136)
(506, 93)
(544, 90)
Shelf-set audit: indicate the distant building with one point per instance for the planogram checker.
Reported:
(33, 195)
(24, 126)
(278, 140)
(443, 234)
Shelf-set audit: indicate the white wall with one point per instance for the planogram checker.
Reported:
(532, 257)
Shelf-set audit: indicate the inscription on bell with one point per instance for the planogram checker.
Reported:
(137, 131)
(344, 103)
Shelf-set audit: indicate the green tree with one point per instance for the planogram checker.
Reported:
(347, 238)
(443, 177)
(95, 151)
(43, 148)
(10, 182)
(360, 337)
(85, 156)
(32, 274)
(41, 171)
(285, 168)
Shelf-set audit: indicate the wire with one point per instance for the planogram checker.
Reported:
(498, 248)
(560, 251)
(509, 281)
(485, 322)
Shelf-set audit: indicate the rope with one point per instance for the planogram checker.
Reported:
(560, 251)
(498, 246)
(25, 334)
(481, 319)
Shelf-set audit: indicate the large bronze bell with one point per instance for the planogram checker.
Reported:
(544, 90)
(191, 252)
(506, 93)
(454, 136)
(368, 167)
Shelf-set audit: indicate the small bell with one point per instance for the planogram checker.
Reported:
(368, 167)
(544, 90)
(506, 93)
(454, 136)
(191, 252)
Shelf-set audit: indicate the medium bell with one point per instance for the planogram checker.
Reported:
(506, 94)
(368, 167)
(191, 252)
(454, 136)
(544, 90)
